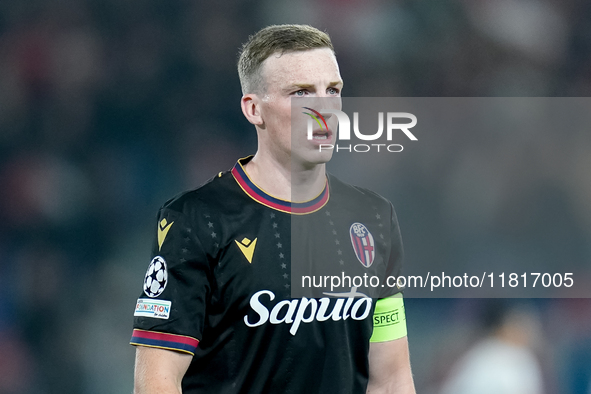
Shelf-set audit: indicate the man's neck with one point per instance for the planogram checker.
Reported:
(286, 180)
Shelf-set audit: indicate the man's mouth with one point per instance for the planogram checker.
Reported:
(321, 135)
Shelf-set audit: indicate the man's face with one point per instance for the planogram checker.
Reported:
(311, 74)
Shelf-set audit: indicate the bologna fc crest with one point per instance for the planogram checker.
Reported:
(363, 244)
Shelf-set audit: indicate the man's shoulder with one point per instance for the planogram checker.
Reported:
(211, 195)
(356, 194)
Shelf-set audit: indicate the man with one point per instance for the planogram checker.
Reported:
(217, 315)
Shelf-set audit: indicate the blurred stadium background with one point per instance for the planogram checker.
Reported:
(108, 108)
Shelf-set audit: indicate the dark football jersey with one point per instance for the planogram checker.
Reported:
(225, 261)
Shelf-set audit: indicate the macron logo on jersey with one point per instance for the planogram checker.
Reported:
(356, 306)
(247, 248)
(163, 228)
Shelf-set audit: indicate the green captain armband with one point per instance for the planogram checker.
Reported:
(389, 320)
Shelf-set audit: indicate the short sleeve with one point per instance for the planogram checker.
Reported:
(170, 312)
(389, 319)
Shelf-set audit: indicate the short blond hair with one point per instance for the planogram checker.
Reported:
(275, 39)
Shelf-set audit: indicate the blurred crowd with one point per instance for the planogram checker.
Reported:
(108, 108)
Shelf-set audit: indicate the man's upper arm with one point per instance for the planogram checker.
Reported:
(170, 313)
(159, 370)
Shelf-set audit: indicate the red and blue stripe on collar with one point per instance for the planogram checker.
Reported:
(262, 197)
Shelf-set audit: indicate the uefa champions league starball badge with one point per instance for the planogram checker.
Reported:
(156, 277)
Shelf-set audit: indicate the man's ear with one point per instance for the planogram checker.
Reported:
(250, 104)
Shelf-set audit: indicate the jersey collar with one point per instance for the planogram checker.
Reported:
(262, 197)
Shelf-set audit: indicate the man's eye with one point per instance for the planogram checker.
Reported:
(300, 93)
(333, 91)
